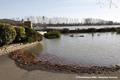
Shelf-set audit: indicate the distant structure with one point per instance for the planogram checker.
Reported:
(27, 23)
(44, 23)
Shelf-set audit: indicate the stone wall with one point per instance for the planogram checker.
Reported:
(13, 47)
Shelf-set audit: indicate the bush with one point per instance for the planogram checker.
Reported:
(31, 35)
(65, 30)
(48, 30)
(91, 30)
(52, 34)
(71, 35)
(20, 33)
(118, 30)
(7, 34)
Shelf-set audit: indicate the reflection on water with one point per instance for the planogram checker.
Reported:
(36, 48)
(101, 49)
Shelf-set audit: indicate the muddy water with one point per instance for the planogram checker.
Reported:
(99, 49)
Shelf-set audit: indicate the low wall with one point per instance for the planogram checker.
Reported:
(12, 47)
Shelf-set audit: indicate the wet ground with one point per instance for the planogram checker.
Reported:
(48, 62)
(9, 71)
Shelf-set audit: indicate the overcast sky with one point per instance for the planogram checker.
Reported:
(60, 8)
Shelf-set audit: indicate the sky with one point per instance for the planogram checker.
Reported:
(61, 8)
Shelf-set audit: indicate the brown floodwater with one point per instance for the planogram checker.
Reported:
(94, 49)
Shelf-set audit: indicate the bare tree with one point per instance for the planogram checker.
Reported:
(111, 3)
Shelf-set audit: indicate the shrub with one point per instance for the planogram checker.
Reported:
(31, 35)
(112, 29)
(48, 30)
(20, 33)
(52, 34)
(65, 30)
(91, 30)
(101, 30)
(118, 30)
(71, 35)
(7, 34)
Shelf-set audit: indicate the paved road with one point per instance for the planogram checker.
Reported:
(9, 71)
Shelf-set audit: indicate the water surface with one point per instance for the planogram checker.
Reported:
(100, 49)
(83, 27)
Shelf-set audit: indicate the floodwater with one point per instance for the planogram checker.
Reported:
(83, 27)
(94, 49)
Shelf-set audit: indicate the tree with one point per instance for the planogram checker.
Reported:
(111, 3)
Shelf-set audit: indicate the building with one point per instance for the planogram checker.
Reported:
(27, 23)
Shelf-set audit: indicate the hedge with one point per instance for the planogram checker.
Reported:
(52, 34)
(7, 34)
(31, 35)
(20, 33)
(65, 30)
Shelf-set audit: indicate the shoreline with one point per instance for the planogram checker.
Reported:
(6, 49)
(89, 30)
(47, 62)
(9, 67)
(84, 25)
(13, 72)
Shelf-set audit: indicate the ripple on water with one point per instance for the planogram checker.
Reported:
(103, 50)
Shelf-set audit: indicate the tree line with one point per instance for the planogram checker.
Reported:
(57, 21)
